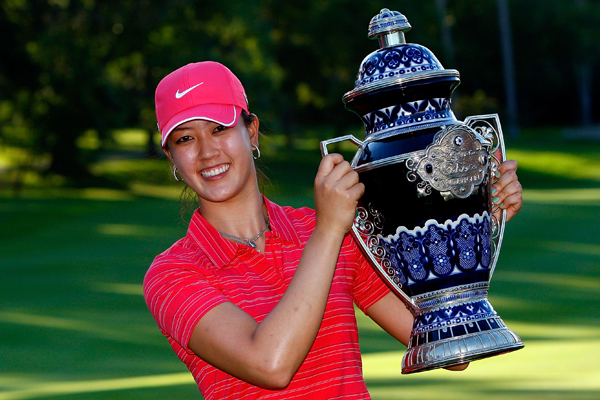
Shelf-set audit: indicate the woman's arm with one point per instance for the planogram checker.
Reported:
(268, 354)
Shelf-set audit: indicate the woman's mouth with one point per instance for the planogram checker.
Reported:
(210, 173)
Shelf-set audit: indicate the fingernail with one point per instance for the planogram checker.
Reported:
(496, 199)
(493, 191)
(497, 174)
(501, 204)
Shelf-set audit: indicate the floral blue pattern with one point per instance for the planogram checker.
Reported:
(403, 114)
(438, 250)
(397, 62)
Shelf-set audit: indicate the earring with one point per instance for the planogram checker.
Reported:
(175, 174)
(257, 152)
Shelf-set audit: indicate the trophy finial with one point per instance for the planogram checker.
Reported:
(389, 27)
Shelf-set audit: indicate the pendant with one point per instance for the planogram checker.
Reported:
(251, 244)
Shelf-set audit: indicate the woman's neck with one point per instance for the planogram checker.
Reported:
(243, 217)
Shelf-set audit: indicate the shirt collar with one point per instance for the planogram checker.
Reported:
(221, 251)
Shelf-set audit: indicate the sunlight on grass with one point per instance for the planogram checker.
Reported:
(586, 249)
(558, 163)
(104, 194)
(562, 196)
(555, 331)
(71, 324)
(128, 230)
(561, 281)
(33, 389)
(158, 191)
(510, 303)
(101, 194)
(119, 288)
(558, 362)
(541, 366)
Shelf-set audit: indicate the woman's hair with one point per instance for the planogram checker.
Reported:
(188, 200)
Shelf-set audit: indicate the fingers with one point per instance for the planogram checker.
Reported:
(508, 165)
(334, 172)
(507, 192)
(337, 191)
(328, 163)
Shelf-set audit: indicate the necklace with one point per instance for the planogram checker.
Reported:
(247, 242)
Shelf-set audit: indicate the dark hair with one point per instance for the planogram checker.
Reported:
(261, 177)
(188, 200)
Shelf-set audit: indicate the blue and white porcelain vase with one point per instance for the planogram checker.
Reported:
(426, 220)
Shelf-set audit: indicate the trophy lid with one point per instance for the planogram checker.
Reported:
(389, 27)
(396, 63)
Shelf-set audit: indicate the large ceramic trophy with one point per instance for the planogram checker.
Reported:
(426, 220)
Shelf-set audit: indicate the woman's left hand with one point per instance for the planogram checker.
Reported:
(507, 192)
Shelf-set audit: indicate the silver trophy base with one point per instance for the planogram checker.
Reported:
(459, 350)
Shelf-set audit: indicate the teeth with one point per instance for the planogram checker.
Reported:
(214, 172)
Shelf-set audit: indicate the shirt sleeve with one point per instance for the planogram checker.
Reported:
(369, 288)
(178, 296)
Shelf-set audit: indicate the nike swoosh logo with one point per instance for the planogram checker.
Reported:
(180, 95)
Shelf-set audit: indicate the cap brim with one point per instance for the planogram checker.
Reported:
(226, 115)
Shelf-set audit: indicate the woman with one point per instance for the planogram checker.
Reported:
(257, 300)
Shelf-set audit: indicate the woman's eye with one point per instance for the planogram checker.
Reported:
(220, 128)
(183, 139)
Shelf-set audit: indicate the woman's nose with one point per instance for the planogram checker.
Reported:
(208, 149)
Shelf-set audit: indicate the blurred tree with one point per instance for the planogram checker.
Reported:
(508, 67)
(80, 65)
(587, 15)
(58, 85)
(75, 66)
(558, 36)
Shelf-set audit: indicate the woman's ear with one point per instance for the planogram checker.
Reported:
(168, 154)
(253, 130)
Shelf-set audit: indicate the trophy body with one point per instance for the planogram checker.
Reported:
(426, 221)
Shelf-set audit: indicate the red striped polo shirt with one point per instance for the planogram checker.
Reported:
(203, 270)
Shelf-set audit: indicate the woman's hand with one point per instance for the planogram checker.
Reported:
(460, 367)
(507, 192)
(337, 191)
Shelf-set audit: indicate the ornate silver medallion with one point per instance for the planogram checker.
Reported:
(455, 164)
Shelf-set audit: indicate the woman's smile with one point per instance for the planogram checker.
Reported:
(214, 173)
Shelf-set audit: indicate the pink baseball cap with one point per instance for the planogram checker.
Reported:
(204, 90)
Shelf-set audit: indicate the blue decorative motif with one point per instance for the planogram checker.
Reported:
(452, 315)
(465, 237)
(397, 62)
(437, 242)
(438, 250)
(403, 114)
(387, 21)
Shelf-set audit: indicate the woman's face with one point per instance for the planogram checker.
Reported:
(214, 160)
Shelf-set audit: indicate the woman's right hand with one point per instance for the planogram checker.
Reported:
(337, 191)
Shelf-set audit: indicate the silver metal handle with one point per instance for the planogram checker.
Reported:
(492, 121)
(351, 138)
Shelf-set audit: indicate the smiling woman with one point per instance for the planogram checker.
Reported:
(258, 299)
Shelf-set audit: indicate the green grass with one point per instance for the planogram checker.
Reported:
(73, 323)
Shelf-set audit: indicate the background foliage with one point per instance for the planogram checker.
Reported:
(84, 68)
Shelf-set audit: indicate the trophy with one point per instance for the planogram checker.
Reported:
(426, 221)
